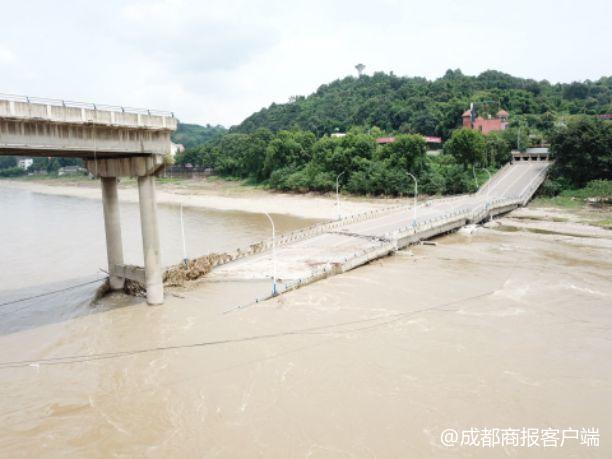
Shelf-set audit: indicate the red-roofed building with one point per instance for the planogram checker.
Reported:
(385, 140)
(486, 125)
(427, 138)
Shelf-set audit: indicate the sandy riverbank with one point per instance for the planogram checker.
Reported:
(214, 194)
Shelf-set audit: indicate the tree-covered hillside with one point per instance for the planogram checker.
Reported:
(192, 135)
(417, 105)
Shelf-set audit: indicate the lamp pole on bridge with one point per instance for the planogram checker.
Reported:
(489, 174)
(274, 291)
(416, 189)
(476, 180)
(338, 194)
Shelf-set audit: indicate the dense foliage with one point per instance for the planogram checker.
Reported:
(12, 172)
(297, 160)
(8, 165)
(583, 151)
(417, 105)
(193, 135)
(7, 162)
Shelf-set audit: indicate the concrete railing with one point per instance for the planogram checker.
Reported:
(61, 111)
(300, 235)
(464, 213)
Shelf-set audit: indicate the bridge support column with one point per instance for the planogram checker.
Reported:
(150, 240)
(112, 225)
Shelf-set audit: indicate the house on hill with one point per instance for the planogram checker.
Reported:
(485, 125)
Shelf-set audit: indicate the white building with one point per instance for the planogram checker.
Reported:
(24, 163)
(176, 148)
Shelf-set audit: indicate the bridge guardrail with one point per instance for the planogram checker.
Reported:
(86, 105)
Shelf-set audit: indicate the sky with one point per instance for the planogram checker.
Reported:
(217, 62)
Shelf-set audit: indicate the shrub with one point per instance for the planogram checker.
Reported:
(12, 172)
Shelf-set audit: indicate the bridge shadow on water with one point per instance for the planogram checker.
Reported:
(45, 304)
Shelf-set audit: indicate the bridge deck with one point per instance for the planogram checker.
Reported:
(351, 244)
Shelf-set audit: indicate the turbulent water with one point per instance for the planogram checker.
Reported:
(491, 329)
(52, 243)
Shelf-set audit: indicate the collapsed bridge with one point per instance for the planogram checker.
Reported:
(305, 256)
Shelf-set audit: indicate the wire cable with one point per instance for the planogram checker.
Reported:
(52, 292)
(80, 358)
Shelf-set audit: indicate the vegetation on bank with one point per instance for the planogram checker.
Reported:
(595, 192)
(297, 161)
(12, 172)
(9, 168)
(290, 146)
(582, 151)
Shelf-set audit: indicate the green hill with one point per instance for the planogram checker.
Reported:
(417, 105)
(192, 135)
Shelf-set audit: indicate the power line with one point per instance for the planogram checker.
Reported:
(66, 360)
(52, 292)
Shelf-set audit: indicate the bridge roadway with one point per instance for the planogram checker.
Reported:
(349, 243)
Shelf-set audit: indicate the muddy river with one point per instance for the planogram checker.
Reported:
(492, 329)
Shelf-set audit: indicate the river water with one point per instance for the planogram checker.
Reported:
(492, 329)
(51, 243)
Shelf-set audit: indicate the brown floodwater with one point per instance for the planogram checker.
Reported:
(491, 329)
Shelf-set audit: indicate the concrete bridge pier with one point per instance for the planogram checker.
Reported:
(114, 142)
(112, 225)
(150, 240)
(144, 168)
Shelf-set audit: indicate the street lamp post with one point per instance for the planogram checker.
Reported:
(476, 180)
(489, 182)
(274, 291)
(416, 189)
(338, 194)
(183, 235)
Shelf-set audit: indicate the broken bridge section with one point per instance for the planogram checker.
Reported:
(356, 240)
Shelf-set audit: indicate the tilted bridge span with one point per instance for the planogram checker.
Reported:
(304, 256)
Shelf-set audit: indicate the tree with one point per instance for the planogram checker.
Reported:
(288, 149)
(194, 135)
(407, 153)
(583, 151)
(466, 146)
(417, 105)
(497, 150)
(256, 153)
(7, 162)
(12, 172)
(231, 152)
